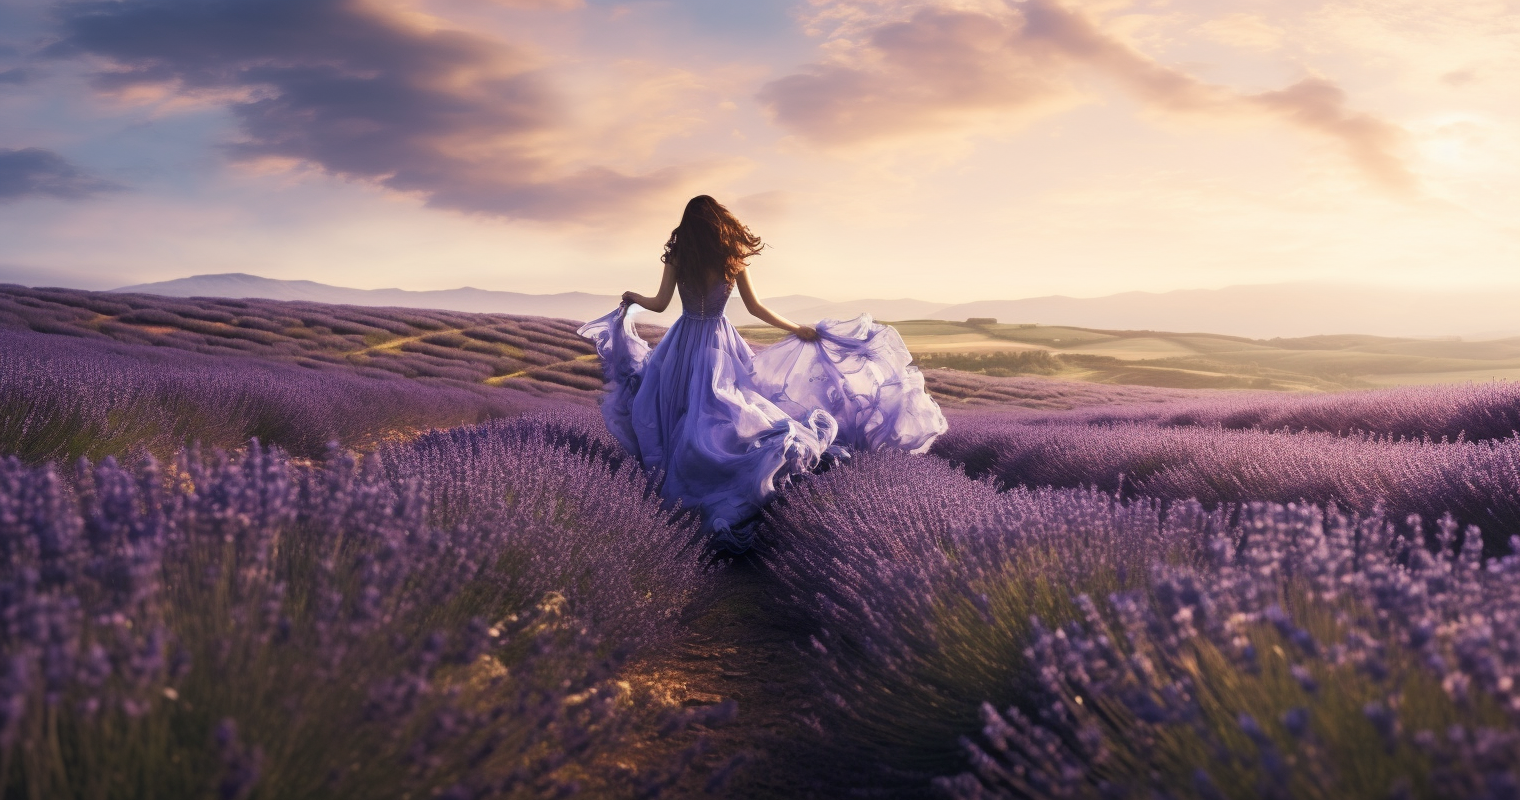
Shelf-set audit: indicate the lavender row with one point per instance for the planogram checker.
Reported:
(63, 397)
(1066, 643)
(1472, 411)
(954, 389)
(1477, 482)
(920, 582)
(590, 523)
(1313, 655)
(530, 353)
(240, 625)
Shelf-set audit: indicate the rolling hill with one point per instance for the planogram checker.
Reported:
(566, 305)
(1292, 310)
(1199, 360)
(541, 355)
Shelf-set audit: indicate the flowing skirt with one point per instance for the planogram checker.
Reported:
(725, 426)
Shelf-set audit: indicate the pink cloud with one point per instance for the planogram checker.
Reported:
(1318, 105)
(943, 68)
(935, 70)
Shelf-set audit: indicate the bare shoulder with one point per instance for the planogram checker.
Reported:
(742, 281)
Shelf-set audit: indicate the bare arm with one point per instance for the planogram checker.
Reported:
(661, 301)
(757, 308)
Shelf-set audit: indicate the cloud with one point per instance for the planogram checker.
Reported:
(15, 76)
(468, 122)
(34, 172)
(1460, 77)
(1247, 31)
(941, 68)
(550, 5)
(764, 206)
(934, 70)
(1318, 105)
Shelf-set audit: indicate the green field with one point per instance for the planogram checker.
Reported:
(1200, 360)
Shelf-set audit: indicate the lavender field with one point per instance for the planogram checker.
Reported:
(254, 549)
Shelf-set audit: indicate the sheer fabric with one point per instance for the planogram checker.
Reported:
(726, 426)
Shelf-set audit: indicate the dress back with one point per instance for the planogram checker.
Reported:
(727, 428)
(704, 303)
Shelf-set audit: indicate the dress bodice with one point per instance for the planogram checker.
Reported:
(708, 304)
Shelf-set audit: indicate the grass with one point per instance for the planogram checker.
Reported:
(1199, 360)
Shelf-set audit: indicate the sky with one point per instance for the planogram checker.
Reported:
(948, 150)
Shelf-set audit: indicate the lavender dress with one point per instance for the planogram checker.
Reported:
(725, 426)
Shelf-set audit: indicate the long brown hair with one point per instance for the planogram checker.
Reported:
(709, 240)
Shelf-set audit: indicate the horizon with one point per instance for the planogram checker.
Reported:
(1216, 288)
(344, 452)
(1307, 282)
(1295, 310)
(1029, 149)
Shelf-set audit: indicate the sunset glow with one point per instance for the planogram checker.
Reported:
(768, 399)
(949, 150)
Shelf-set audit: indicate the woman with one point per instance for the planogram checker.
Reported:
(725, 425)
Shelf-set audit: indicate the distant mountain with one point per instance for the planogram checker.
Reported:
(878, 309)
(1258, 311)
(1265, 311)
(569, 305)
(566, 305)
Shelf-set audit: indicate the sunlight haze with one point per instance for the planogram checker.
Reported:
(946, 150)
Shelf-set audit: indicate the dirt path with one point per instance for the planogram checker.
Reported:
(500, 379)
(740, 645)
(395, 344)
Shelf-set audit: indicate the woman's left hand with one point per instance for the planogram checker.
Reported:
(806, 333)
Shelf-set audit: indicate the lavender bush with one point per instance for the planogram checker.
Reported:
(1301, 661)
(1471, 411)
(1088, 591)
(923, 613)
(240, 625)
(1265, 651)
(588, 522)
(62, 398)
(955, 389)
(1475, 481)
(531, 354)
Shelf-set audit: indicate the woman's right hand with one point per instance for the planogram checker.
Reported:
(806, 333)
(631, 298)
